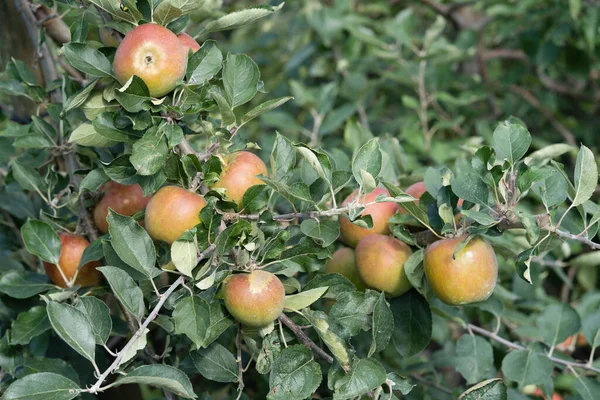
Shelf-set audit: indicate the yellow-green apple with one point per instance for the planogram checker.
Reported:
(72, 247)
(468, 278)
(153, 53)
(380, 263)
(343, 262)
(124, 199)
(255, 299)
(379, 212)
(171, 211)
(107, 38)
(188, 42)
(239, 173)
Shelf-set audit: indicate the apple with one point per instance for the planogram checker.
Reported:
(343, 262)
(379, 212)
(468, 278)
(188, 42)
(153, 53)
(124, 199)
(107, 38)
(72, 247)
(172, 211)
(380, 264)
(255, 299)
(239, 173)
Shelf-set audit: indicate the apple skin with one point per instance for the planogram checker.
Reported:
(72, 247)
(188, 42)
(380, 263)
(171, 211)
(380, 212)
(255, 299)
(107, 38)
(469, 278)
(124, 199)
(343, 262)
(239, 174)
(417, 190)
(153, 53)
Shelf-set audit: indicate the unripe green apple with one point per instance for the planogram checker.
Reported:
(379, 212)
(380, 263)
(188, 42)
(107, 38)
(171, 211)
(72, 248)
(239, 173)
(124, 199)
(468, 278)
(153, 53)
(255, 299)
(343, 262)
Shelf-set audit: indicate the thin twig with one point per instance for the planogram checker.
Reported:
(302, 337)
(238, 345)
(516, 346)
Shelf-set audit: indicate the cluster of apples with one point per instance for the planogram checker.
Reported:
(378, 260)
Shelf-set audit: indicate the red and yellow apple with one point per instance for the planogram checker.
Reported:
(239, 173)
(379, 212)
(153, 53)
(380, 264)
(468, 278)
(124, 199)
(172, 211)
(343, 262)
(72, 248)
(188, 42)
(255, 299)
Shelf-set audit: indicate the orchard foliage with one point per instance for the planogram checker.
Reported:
(491, 105)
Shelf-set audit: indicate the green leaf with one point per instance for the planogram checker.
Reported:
(55, 365)
(88, 60)
(469, 187)
(170, 10)
(590, 327)
(240, 79)
(216, 363)
(162, 376)
(474, 358)
(29, 324)
(304, 299)
(149, 154)
(23, 284)
(365, 375)
(41, 240)
(588, 388)
(382, 325)
(263, 108)
(368, 158)
(415, 272)
(227, 115)
(125, 289)
(132, 243)
(105, 126)
(134, 96)
(98, 315)
(73, 327)
(553, 190)
(219, 322)
(191, 317)
(324, 232)
(413, 323)
(114, 7)
(204, 64)
(240, 18)
(351, 311)
(480, 217)
(42, 386)
(586, 176)
(526, 367)
(283, 158)
(493, 389)
(323, 325)
(184, 256)
(255, 198)
(511, 141)
(86, 135)
(80, 97)
(173, 133)
(295, 375)
(28, 177)
(557, 322)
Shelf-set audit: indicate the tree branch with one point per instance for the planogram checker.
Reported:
(515, 346)
(302, 337)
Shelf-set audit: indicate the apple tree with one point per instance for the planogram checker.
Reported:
(328, 200)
